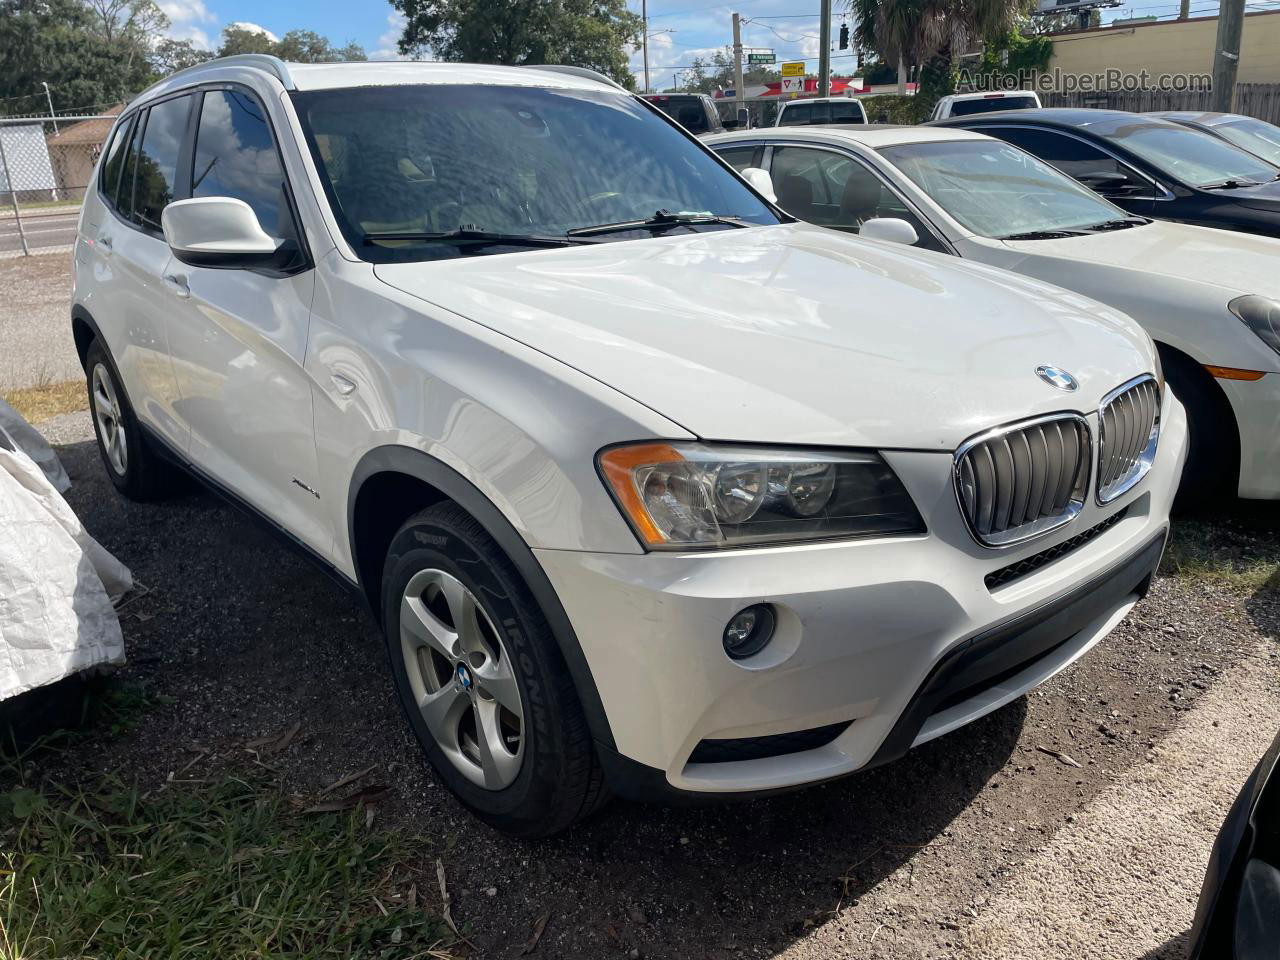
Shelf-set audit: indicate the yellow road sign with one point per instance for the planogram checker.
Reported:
(793, 69)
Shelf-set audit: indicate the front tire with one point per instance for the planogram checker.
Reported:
(481, 679)
(1212, 472)
(134, 469)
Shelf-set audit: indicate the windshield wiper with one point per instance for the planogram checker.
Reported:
(1229, 184)
(472, 238)
(1119, 224)
(1044, 235)
(662, 220)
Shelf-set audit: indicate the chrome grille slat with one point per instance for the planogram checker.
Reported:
(1017, 482)
(1129, 424)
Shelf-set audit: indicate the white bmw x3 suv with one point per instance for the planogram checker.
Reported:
(653, 489)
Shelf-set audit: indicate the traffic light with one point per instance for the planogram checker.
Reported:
(844, 36)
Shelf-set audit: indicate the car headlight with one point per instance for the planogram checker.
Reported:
(685, 496)
(1261, 315)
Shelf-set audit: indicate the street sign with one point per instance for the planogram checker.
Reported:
(793, 69)
(761, 58)
(792, 85)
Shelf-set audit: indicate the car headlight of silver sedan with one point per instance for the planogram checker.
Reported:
(1261, 315)
(688, 496)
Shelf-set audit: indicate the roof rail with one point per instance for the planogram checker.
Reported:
(583, 72)
(260, 61)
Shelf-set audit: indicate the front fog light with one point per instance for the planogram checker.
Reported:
(749, 631)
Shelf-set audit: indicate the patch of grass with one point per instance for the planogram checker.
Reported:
(217, 870)
(39, 403)
(1220, 554)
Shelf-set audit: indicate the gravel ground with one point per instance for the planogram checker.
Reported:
(976, 845)
(35, 321)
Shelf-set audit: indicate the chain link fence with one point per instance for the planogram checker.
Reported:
(46, 164)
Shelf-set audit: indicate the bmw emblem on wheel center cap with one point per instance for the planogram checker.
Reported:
(1057, 377)
(463, 676)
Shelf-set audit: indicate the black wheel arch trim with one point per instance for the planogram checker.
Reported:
(433, 472)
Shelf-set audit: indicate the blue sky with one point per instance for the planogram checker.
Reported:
(697, 27)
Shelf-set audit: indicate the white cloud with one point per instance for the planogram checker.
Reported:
(254, 28)
(184, 19)
(386, 48)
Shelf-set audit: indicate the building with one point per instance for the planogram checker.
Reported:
(74, 149)
(1169, 47)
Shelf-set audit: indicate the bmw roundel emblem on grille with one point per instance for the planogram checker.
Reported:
(1057, 377)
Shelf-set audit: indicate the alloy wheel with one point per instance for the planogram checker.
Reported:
(462, 678)
(106, 411)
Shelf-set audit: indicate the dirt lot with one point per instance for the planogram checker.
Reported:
(35, 321)
(977, 845)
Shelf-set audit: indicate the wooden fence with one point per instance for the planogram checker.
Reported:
(1261, 100)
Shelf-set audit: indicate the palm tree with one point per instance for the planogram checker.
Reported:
(931, 33)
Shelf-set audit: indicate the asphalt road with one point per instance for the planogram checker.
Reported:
(43, 229)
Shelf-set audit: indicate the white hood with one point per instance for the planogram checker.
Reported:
(1240, 262)
(796, 334)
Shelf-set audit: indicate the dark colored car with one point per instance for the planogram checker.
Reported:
(1238, 917)
(1148, 166)
(695, 112)
(1260, 138)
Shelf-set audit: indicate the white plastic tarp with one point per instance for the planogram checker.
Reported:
(56, 582)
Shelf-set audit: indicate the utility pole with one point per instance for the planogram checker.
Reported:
(644, 15)
(49, 97)
(1184, 10)
(1226, 54)
(739, 94)
(824, 51)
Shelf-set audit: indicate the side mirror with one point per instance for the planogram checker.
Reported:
(889, 228)
(1113, 184)
(744, 118)
(218, 232)
(761, 180)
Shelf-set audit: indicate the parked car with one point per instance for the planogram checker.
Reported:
(840, 110)
(695, 112)
(968, 104)
(1258, 137)
(651, 488)
(982, 199)
(1238, 916)
(1148, 166)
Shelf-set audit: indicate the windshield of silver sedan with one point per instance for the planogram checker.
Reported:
(997, 190)
(431, 171)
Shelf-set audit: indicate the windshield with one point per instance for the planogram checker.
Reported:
(1195, 158)
(997, 190)
(515, 161)
(964, 108)
(1256, 136)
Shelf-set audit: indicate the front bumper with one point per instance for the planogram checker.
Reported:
(1256, 404)
(865, 629)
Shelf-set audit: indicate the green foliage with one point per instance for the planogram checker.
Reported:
(707, 75)
(878, 72)
(296, 46)
(584, 33)
(170, 55)
(221, 870)
(1015, 54)
(890, 108)
(61, 42)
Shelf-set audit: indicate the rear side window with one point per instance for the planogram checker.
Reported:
(848, 112)
(235, 156)
(112, 165)
(796, 115)
(965, 108)
(128, 173)
(156, 179)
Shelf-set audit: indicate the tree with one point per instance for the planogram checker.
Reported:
(297, 46)
(584, 33)
(717, 73)
(932, 34)
(170, 55)
(62, 42)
